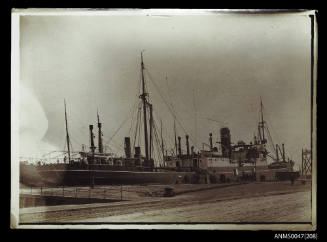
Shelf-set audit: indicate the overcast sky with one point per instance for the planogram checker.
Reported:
(217, 66)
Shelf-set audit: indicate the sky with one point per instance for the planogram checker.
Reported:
(204, 66)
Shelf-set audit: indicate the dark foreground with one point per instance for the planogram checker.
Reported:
(253, 202)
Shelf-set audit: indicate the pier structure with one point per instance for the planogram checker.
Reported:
(306, 167)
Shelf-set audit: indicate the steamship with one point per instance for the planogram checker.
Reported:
(223, 162)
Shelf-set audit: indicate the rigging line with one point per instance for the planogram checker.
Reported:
(78, 130)
(116, 148)
(155, 116)
(276, 136)
(113, 147)
(76, 142)
(270, 125)
(138, 131)
(74, 117)
(174, 115)
(150, 127)
(139, 136)
(130, 113)
(169, 94)
(133, 117)
(170, 97)
(118, 143)
(121, 125)
(195, 118)
(132, 121)
(65, 145)
(170, 104)
(77, 125)
(161, 95)
(74, 133)
(138, 90)
(155, 135)
(159, 150)
(271, 141)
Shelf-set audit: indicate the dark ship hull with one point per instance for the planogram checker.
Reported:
(31, 175)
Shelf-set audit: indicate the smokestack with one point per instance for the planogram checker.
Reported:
(210, 141)
(283, 152)
(179, 146)
(192, 150)
(99, 135)
(127, 147)
(277, 152)
(137, 152)
(187, 146)
(225, 141)
(92, 136)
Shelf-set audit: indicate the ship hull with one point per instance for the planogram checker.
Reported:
(38, 177)
(31, 175)
(235, 173)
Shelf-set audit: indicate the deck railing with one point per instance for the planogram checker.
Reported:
(114, 192)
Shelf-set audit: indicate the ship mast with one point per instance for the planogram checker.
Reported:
(143, 97)
(99, 135)
(92, 147)
(151, 130)
(67, 134)
(262, 124)
(162, 143)
(175, 137)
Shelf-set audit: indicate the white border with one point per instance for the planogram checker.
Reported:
(15, 63)
(151, 12)
(15, 98)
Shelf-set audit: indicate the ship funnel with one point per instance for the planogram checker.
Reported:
(137, 152)
(187, 146)
(92, 137)
(210, 141)
(127, 147)
(179, 146)
(225, 141)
